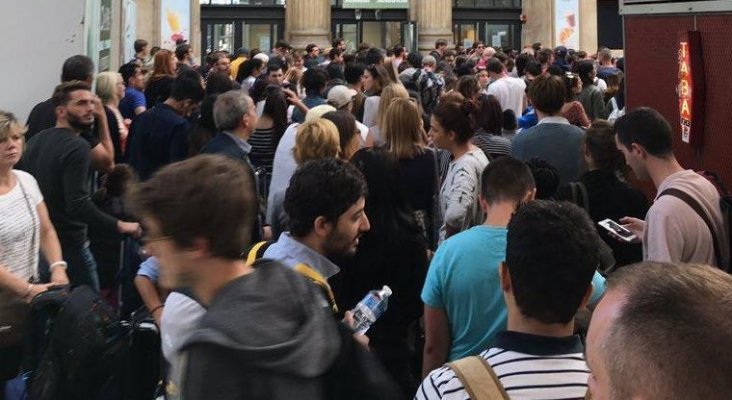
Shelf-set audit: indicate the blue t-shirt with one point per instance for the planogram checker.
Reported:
(133, 99)
(463, 281)
(150, 268)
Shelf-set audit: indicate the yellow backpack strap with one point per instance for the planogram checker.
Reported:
(478, 377)
(252, 255)
(319, 280)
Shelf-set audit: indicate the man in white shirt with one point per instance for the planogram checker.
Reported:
(672, 231)
(510, 92)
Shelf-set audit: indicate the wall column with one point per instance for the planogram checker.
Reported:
(307, 21)
(588, 26)
(434, 21)
(539, 26)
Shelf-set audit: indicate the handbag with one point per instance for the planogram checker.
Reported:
(14, 310)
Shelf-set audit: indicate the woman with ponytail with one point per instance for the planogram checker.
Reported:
(451, 129)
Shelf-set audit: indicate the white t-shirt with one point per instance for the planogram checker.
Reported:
(20, 227)
(283, 166)
(510, 92)
(370, 110)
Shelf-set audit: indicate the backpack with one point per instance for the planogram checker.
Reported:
(429, 87)
(725, 204)
(480, 380)
(86, 351)
(256, 252)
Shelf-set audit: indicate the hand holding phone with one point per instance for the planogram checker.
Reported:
(618, 231)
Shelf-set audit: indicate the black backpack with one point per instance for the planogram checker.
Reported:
(85, 353)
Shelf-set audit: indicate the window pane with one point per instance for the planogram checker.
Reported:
(498, 35)
(257, 36)
(223, 37)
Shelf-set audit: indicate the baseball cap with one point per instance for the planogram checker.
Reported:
(340, 95)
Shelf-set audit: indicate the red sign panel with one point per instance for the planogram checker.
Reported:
(691, 87)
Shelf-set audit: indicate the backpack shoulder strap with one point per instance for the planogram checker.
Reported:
(479, 379)
(319, 280)
(585, 196)
(691, 202)
(257, 251)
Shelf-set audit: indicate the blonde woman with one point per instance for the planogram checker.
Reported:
(390, 92)
(25, 227)
(110, 88)
(404, 136)
(315, 140)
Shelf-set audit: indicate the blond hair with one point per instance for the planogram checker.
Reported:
(402, 130)
(316, 140)
(8, 125)
(106, 86)
(390, 92)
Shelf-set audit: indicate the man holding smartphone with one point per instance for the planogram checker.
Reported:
(674, 229)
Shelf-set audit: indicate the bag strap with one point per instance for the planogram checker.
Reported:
(686, 198)
(479, 379)
(319, 280)
(33, 219)
(585, 196)
(257, 251)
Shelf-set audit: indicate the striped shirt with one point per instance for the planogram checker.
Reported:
(19, 222)
(528, 366)
(263, 148)
(492, 145)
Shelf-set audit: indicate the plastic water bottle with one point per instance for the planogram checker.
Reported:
(369, 309)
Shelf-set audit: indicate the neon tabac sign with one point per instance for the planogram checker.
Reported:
(691, 88)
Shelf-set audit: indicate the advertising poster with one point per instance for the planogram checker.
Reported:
(566, 23)
(175, 22)
(98, 33)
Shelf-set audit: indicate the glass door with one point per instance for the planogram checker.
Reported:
(349, 32)
(466, 34)
(218, 36)
(262, 36)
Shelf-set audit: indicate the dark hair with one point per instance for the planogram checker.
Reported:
(551, 254)
(353, 72)
(139, 45)
(334, 71)
(398, 50)
(456, 117)
(185, 88)
(501, 56)
(522, 61)
(128, 71)
(495, 65)
(247, 68)
(546, 177)
(346, 124)
(322, 188)
(314, 79)
(509, 120)
(275, 107)
(555, 70)
(415, 60)
(584, 69)
(599, 140)
(547, 94)
(490, 115)
(219, 82)
(119, 180)
(204, 128)
(440, 42)
(181, 51)
(224, 218)
(281, 44)
(374, 56)
(334, 53)
(683, 316)
(544, 55)
(536, 46)
(77, 68)
(337, 41)
(62, 93)
(310, 47)
(380, 75)
(274, 65)
(506, 179)
(645, 127)
(468, 86)
(533, 67)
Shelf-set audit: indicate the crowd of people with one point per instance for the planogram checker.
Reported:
(270, 191)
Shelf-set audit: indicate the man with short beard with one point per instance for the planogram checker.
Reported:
(60, 160)
(325, 205)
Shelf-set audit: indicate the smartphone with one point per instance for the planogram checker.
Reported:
(617, 229)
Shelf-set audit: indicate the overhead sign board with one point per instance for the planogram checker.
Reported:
(376, 4)
(630, 7)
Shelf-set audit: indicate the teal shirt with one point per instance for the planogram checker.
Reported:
(463, 281)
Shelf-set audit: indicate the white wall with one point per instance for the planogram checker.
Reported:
(36, 36)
